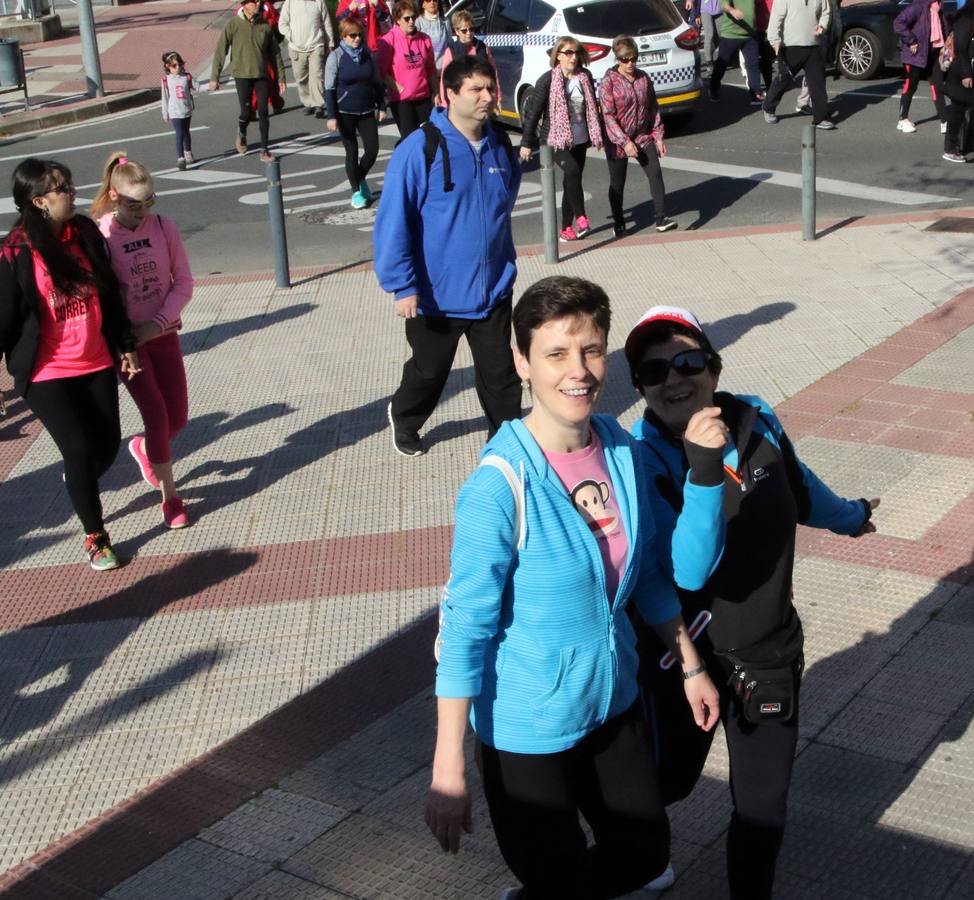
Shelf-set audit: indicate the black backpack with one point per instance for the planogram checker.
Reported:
(434, 139)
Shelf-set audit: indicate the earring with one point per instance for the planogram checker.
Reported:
(45, 212)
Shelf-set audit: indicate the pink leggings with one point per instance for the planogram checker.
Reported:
(159, 391)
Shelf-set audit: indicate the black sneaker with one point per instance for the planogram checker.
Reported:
(405, 444)
(309, 110)
(619, 231)
(805, 109)
(665, 224)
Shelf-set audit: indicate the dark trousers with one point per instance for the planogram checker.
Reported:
(933, 73)
(81, 416)
(434, 340)
(351, 128)
(957, 139)
(648, 160)
(811, 60)
(259, 88)
(761, 760)
(410, 114)
(572, 164)
(608, 777)
(184, 144)
(752, 60)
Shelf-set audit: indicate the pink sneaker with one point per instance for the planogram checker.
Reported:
(581, 226)
(567, 234)
(174, 513)
(145, 467)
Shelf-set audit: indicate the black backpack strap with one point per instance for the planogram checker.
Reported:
(434, 138)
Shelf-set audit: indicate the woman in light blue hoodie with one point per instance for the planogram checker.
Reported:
(536, 645)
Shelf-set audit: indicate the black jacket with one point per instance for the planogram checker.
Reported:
(20, 327)
(962, 66)
(532, 136)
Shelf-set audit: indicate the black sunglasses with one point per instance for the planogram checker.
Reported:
(690, 362)
(625, 59)
(409, 18)
(65, 187)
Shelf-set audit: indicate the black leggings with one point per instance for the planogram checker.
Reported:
(356, 169)
(572, 164)
(956, 141)
(648, 160)
(410, 114)
(761, 760)
(933, 73)
(246, 88)
(608, 777)
(81, 415)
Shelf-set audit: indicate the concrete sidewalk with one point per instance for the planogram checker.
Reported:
(245, 709)
(131, 41)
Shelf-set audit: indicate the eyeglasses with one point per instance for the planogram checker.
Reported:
(690, 362)
(138, 205)
(464, 30)
(625, 59)
(567, 52)
(65, 187)
(409, 18)
(352, 37)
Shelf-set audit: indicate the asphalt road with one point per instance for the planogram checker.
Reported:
(724, 168)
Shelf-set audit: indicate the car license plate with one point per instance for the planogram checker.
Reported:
(651, 58)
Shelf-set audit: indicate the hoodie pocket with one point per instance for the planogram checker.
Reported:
(573, 702)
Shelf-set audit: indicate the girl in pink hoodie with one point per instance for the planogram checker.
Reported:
(150, 262)
(407, 66)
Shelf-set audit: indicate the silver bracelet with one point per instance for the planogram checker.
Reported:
(699, 670)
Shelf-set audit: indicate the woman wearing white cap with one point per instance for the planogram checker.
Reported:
(733, 446)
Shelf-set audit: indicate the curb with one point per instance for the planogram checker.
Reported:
(23, 123)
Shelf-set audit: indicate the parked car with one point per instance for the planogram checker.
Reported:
(868, 41)
(520, 33)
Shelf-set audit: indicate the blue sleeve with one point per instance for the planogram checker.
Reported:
(818, 505)
(691, 541)
(331, 83)
(480, 564)
(396, 223)
(653, 593)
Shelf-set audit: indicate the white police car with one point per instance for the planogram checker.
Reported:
(520, 33)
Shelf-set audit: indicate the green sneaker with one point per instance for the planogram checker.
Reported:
(365, 190)
(98, 549)
(358, 201)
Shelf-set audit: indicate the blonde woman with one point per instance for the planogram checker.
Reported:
(563, 114)
(151, 265)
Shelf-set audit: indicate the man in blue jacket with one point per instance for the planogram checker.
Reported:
(444, 249)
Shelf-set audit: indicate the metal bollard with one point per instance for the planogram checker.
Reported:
(808, 183)
(89, 50)
(549, 220)
(275, 204)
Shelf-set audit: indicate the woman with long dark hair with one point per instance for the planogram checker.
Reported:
(62, 328)
(563, 114)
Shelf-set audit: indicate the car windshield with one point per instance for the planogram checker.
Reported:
(607, 19)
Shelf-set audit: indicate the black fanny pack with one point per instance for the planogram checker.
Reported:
(765, 676)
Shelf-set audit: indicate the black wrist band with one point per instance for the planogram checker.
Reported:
(699, 670)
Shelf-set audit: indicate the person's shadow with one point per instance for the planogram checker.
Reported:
(68, 648)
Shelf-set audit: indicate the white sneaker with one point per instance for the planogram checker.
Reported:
(662, 882)
(906, 126)
(943, 127)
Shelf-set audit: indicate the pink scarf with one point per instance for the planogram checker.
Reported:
(936, 32)
(559, 125)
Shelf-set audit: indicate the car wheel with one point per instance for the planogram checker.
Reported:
(860, 54)
(522, 103)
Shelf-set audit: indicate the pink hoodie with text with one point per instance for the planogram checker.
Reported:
(408, 59)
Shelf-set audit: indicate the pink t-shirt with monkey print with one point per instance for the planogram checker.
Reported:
(586, 478)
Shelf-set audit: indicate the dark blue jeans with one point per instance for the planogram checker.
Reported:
(184, 144)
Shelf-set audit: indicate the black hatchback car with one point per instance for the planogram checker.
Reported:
(868, 41)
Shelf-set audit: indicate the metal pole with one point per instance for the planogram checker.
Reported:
(275, 203)
(808, 183)
(89, 49)
(548, 211)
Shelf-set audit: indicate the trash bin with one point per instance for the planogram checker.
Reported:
(10, 75)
